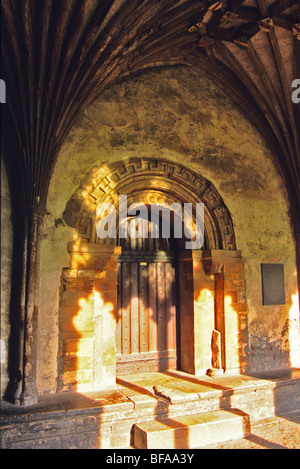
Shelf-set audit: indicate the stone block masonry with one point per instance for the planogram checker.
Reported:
(88, 303)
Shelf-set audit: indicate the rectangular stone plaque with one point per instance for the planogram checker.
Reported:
(273, 284)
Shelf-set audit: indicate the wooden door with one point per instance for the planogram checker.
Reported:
(146, 312)
(146, 320)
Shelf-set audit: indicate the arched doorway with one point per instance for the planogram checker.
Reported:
(148, 306)
(147, 338)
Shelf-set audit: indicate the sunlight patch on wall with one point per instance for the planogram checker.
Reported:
(204, 325)
(89, 347)
(232, 335)
(78, 259)
(294, 332)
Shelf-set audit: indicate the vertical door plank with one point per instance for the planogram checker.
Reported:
(134, 308)
(126, 308)
(143, 295)
(170, 311)
(152, 310)
(174, 310)
(150, 238)
(161, 317)
(119, 311)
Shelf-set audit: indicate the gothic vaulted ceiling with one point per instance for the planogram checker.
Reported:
(57, 55)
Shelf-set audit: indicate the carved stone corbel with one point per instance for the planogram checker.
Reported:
(212, 267)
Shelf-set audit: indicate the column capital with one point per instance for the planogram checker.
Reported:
(37, 213)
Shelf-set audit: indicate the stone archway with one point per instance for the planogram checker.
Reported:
(148, 176)
(211, 281)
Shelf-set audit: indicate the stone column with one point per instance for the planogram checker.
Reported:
(29, 306)
(186, 296)
(105, 313)
(212, 303)
(230, 305)
(88, 310)
(204, 305)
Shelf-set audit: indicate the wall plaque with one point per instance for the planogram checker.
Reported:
(273, 284)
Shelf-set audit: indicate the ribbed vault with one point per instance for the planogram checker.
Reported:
(58, 55)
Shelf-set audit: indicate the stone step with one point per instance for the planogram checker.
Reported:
(192, 431)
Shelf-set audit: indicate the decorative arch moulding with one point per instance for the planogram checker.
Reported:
(134, 176)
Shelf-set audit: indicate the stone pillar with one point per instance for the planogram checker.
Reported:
(204, 311)
(29, 306)
(212, 300)
(187, 336)
(88, 309)
(105, 315)
(230, 305)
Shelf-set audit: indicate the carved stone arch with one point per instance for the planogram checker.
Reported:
(200, 278)
(148, 180)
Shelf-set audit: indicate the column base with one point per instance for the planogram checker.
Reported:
(28, 397)
(215, 372)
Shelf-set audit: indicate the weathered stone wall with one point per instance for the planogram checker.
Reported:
(174, 113)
